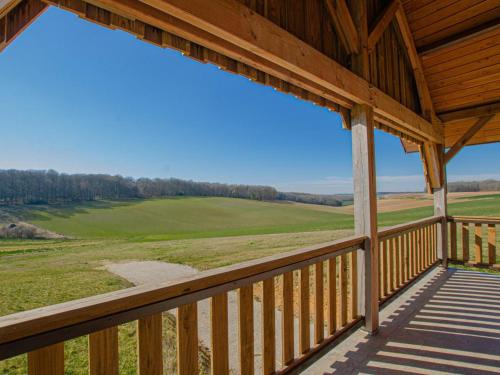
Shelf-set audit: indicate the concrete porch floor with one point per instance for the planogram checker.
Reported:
(447, 323)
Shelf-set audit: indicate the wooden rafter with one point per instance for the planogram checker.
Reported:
(382, 22)
(237, 24)
(16, 16)
(344, 24)
(478, 125)
(479, 111)
(422, 87)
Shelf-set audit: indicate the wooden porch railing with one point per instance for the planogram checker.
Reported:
(405, 251)
(473, 240)
(315, 287)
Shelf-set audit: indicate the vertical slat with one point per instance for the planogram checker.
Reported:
(332, 295)
(47, 361)
(354, 284)
(492, 247)
(453, 240)
(343, 289)
(245, 317)
(414, 252)
(421, 250)
(391, 277)
(384, 273)
(407, 256)
(319, 319)
(426, 247)
(103, 352)
(220, 351)
(304, 329)
(465, 242)
(397, 258)
(478, 247)
(287, 319)
(187, 339)
(268, 329)
(149, 345)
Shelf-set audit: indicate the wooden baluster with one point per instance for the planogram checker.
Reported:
(187, 339)
(397, 258)
(319, 320)
(268, 329)
(390, 251)
(453, 240)
(421, 251)
(287, 319)
(103, 352)
(245, 317)
(426, 247)
(332, 295)
(407, 256)
(465, 242)
(380, 272)
(47, 361)
(220, 350)
(492, 246)
(415, 253)
(304, 329)
(384, 271)
(353, 283)
(343, 289)
(149, 345)
(478, 247)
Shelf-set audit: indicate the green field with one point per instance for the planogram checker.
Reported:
(200, 232)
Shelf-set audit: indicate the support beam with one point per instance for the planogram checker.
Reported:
(344, 25)
(422, 87)
(237, 24)
(479, 111)
(466, 137)
(440, 209)
(432, 165)
(382, 22)
(365, 210)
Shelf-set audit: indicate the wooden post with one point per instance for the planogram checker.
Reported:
(365, 212)
(440, 209)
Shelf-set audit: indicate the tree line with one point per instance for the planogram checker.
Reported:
(46, 187)
(466, 186)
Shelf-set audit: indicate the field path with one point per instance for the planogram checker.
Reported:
(148, 272)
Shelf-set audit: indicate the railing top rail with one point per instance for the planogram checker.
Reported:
(475, 219)
(47, 319)
(395, 230)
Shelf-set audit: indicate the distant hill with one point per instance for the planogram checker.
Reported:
(471, 186)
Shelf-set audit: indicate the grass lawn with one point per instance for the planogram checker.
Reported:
(200, 232)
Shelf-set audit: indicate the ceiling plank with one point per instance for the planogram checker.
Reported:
(344, 25)
(479, 111)
(384, 19)
(466, 137)
(240, 26)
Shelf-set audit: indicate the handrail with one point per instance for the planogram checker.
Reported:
(29, 330)
(474, 219)
(396, 230)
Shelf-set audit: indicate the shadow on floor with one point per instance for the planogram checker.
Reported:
(449, 324)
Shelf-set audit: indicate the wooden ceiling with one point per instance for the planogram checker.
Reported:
(458, 42)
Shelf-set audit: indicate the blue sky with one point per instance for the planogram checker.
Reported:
(77, 97)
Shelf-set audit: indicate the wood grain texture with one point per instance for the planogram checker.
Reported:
(304, 314)
(343, 290)
(220, 341)
(150, 345)
(187, 339)
(287, 320)
(246, 330)
(47, 361)
(453, 241)
(465, 242)
(478, 243)
(103, 352)
(319, 319)
(332, 295)
(492, 244)
(268, 327)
